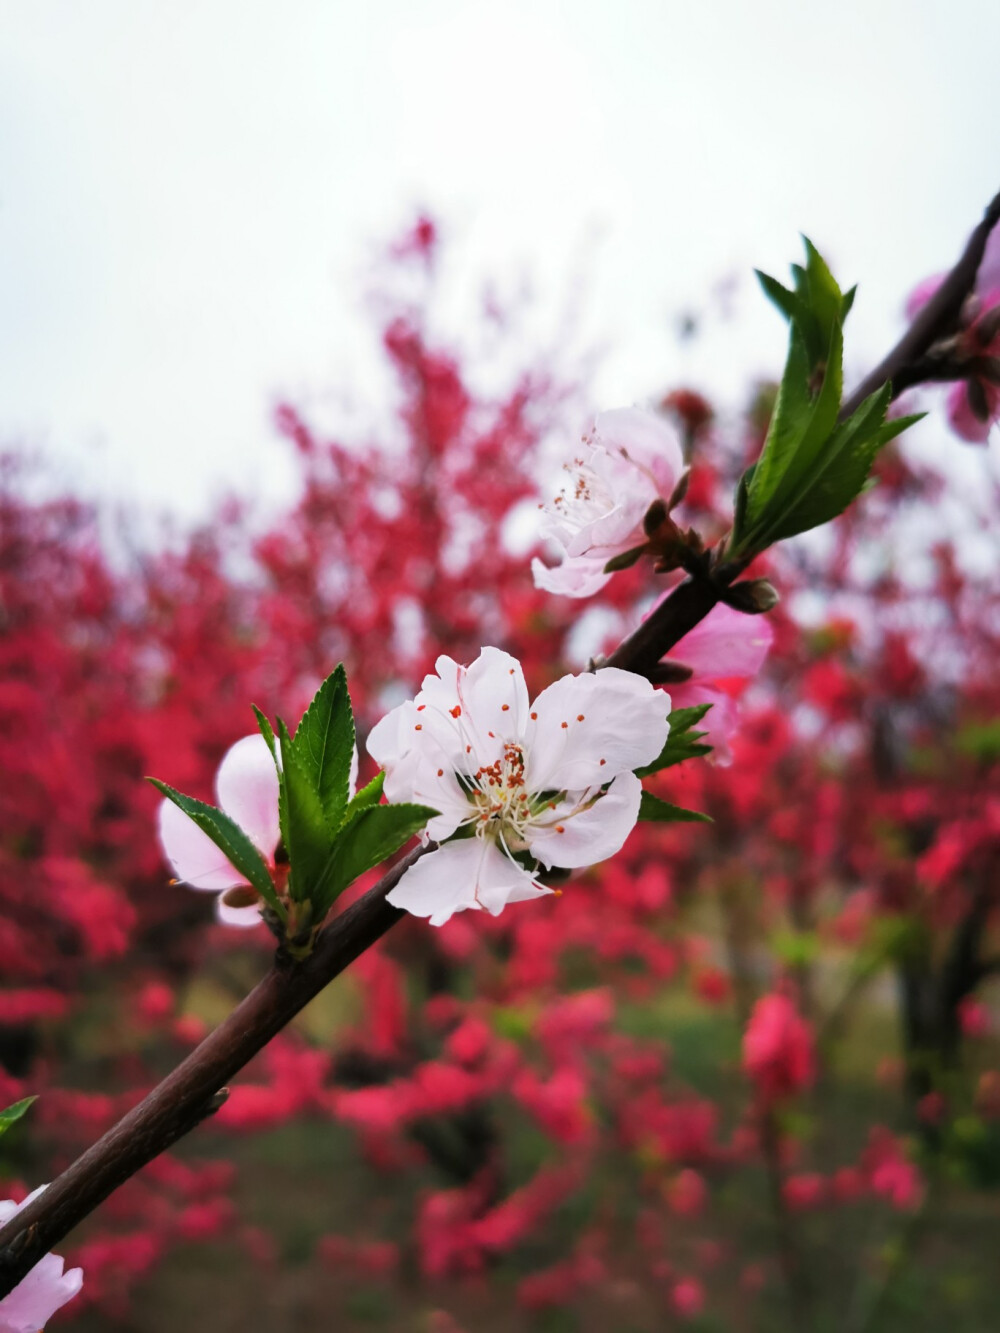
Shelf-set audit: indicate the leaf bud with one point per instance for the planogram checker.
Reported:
(753, 597)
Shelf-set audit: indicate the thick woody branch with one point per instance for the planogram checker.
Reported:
(191, 1093)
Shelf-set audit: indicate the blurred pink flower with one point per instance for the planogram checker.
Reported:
(726, 646)
(778, 1048)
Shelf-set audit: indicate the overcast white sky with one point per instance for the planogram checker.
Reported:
(189, 192)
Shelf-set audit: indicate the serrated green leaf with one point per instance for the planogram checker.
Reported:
(837, 475)
(370, 795)
(230, 839)
(267, 731)
(787, 302)
(13, 1114)
(682, 742)
(324, 745)
(654, 811)
(373, 834)
(309, 836)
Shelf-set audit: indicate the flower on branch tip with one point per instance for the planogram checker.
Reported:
(629, 461)
(40, 1293)
(518, 785)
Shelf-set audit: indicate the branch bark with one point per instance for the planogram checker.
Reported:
(189, 1094)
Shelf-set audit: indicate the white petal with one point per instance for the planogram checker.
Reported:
(592, 834)
(486, 703)
(194, 856)
(468, 874)
(37, 1297)
(247, 787)
(237, 916)
(610, 715)
(580, 577)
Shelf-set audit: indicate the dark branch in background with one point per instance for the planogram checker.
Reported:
(907, 363)
(193, 1090)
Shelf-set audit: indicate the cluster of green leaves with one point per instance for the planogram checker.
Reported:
(329, 836)
(683, 742)
(813, 464)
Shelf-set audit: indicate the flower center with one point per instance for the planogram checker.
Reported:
(584, 498)
(503, 806)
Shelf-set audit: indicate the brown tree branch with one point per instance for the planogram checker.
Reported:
(190, 1093)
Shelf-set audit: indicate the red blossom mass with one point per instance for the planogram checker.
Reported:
(556, 1093)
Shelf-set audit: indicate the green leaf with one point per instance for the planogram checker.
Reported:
(626, 559)
(682, 742)
(267, 731)
(812, 465)
(324, 746)
(370, 795)
(230, 840)
(309, 837)
(655, 811)
(13, 1113)
(373, 834)
(837, 474)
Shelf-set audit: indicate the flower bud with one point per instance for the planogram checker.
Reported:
(753, 597)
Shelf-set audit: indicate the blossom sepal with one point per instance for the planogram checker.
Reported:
(683, 742)
(652, 810)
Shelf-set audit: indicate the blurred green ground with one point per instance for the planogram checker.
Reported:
(307, 1180)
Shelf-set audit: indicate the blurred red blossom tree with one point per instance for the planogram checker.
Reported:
(557, 1096)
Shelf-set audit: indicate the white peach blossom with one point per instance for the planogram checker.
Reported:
(629, 459)
(522, 785)
(40, 1293)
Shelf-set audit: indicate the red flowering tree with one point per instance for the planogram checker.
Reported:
(673, 1090)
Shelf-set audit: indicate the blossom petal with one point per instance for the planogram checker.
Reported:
(237, 916)
(725, 644)
(579, 577)
(572, 838)
(420, 751)
(587, 729)
(487, 702)
(648, 440)
(43, 1290)
(720, 722)
(963, 420)
(194, 856)
(247, 787)
(38, 1295)
(471, 874)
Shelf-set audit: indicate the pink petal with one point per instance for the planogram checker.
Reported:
(593, 834)
(725, 644)
(578, 577)
(39, 1295)
(964, 421)
(647, 439)
(196, 860)
(720, 722)
(921, 294)
(247, 788)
